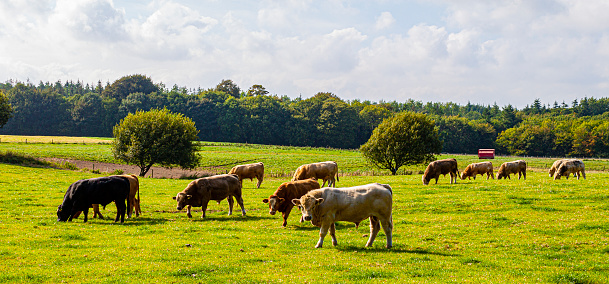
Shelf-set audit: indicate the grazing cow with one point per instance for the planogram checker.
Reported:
(325, 206)
(478, 169)
(441, 167)
(200, 191)
(575, 167)
(281, 200)
(84, 193)
(134, 203)
(516, 167)
(250, 171)
(557, 164)
(323, 170)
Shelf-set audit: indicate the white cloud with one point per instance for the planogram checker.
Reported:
(384, 21)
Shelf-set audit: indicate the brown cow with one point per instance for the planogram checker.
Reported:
(281, 200)
(134, 203)
(557, 164)
(478, 169)
(575, 167)
(441, 167)
(516, 167)
(200, 191)
(323, 170)
(250, 171)
(325, 206)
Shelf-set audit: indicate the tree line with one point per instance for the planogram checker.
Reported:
(226, 113)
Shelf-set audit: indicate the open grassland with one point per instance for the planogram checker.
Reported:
(477, 231)
(279, 161)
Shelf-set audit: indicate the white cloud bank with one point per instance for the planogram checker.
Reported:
(509, 52)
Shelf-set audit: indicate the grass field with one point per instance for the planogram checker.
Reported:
(483, 231)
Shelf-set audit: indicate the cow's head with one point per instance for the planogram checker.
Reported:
(182, 199)
(425, 180)
(307, 204)
(274, 201)
(62, 215)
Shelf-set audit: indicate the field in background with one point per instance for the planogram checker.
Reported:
(484, 231)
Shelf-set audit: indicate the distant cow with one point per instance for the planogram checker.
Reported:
(516, 167)
(478, 169)
(557, 164)
(575, 167)
(281, 200)
(250, 171)
(199, 192)
(322, 171)
(84, 193)
(325, 206)
(441, 167)
(134, 203)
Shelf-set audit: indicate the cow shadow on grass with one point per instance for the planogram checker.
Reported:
(395, 249)
(307, 226)
(136, 221)
(225, 218)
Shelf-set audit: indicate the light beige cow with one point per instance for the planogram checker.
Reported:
(325, 171)
(575, 167)
(250, 171)
(556, 165)
(325, 206)
(516, 167)
(481, 168)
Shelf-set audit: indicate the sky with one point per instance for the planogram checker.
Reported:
(483, 52)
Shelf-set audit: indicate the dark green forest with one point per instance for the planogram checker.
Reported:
(226, 113)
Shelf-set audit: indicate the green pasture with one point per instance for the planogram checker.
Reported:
(476, 231)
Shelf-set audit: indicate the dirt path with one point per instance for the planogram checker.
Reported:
(155, 172)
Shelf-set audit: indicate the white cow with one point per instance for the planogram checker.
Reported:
(327, 205)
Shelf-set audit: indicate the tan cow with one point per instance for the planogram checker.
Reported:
(557, 164)
(441, 167)
(575, 167)
(323, 170)
(515, 167)
(199, 192)
(281, 200)
(250, 171)
(481, 168)
(325, 206)
(134, 203)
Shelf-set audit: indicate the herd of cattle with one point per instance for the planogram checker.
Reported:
(323, 206)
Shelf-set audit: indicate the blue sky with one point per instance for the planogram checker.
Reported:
(484, 52)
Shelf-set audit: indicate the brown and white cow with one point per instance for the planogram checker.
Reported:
(481, 168)
(573, 166)
(281, 200)
(250, 171)
(199, 192)
(441, 167)
(557, 164)
(325, 171)
(325, 206)
(515, 167)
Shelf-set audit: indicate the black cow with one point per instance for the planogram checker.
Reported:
(83, 193)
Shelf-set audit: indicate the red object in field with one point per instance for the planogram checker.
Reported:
(486, 153)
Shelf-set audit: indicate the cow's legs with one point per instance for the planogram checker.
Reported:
(323, 231)
(324, 184)
(584, 174)
(86, 213)
(286, 214)
(524, 174)
(388, 228)
(204, 208)
(240, 202)
(230, 204)
(333, 234)
(375, 227)
(188, 211)
(120, 210)
(259, 178)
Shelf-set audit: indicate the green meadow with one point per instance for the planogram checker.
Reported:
(476, 231)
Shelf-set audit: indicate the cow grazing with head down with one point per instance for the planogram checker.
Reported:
(281, 200)
(134, 203)
(325, 171)
(83, 194)
(575, 167)
(441, 167)
(325, 206)
(481, 168)
(557, 164)
(250, 171)
(199, 192)
(516, 167)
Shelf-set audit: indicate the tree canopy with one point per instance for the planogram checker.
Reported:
(6, 111)
(406, 139)
(153, 137)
